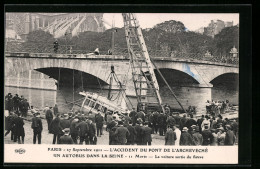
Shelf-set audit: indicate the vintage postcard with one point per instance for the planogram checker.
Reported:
(143, 88)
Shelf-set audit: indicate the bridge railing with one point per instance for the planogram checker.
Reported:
(71, 51)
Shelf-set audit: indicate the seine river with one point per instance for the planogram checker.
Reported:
(188, 96)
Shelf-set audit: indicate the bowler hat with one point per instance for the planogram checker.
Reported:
(66, 130)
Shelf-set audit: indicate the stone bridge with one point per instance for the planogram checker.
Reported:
(96, 68)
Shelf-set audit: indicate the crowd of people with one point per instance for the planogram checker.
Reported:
(16, 103)
(134, 128)
(217, 107)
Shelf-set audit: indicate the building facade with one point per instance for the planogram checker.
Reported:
(55, 23)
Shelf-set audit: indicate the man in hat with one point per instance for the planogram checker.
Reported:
(197, 137)
(214, 141)
(132, 134)
(9, 124)
(122, 133)
(132, 115)
(139, 133)
(147, 138)
(170, 136)
(162, 123)
(92, 131)
(56, 129)
(99, 124)
(170, 121)
(183, 121)
(230, 136)
(66, 138)
(186, 139)
(55, 109)
(37, 127)
(206, 135)
(155, 122)
(83, 129)
(221, 136)
(141, 115)
(48, 116)
(74, 129)
(19, 129)
(65, 122)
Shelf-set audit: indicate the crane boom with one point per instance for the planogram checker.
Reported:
(145, 82)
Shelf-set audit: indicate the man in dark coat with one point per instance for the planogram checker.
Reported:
(207, 136)
(183, 121)
(186, 139)
(230, 136)
(140, 114)
(26, 106)
(126, 119)
(132, 115)
(16, 100)
(74, 131)
(122, 133)
(199, 122)
(197, 137)
(132, 134)
(177, 119)
(19, 129)
(37, 127)
(99, 123)
(92, 132)
(83, 129)
(55, 109)
(9, 125)
(147, 138)
(190, 122)
(155, 122)
(56, 129)
(171, 121)
(112, 124)
(65, 122)
(66, 139)
(162, 123)
(139, 133)
(49, 117)
(170, 136)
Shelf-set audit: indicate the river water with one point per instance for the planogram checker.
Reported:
(188, 96)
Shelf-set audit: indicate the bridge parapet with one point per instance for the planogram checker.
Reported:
(113, 57)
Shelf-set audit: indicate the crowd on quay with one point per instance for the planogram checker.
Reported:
(217, 107)
(17, 103)
(134, 128)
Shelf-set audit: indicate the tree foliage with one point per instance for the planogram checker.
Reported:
(170, 36)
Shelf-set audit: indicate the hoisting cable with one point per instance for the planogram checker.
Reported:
(72, 89)
(168, 86)
(124, 91)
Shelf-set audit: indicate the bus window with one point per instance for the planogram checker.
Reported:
(103, 109)
(86, 102)
(91, 104)
(97, 106)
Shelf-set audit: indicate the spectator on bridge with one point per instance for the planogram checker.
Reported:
(56, 46)
(96, 52)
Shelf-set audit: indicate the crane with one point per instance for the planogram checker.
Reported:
(145, 82)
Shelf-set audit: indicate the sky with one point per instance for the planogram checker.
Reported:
(192, 21)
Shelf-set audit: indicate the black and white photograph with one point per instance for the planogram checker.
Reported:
(146, 80)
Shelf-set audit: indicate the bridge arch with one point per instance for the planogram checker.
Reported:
(228, 80)
(175, 77)
(44, 64)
